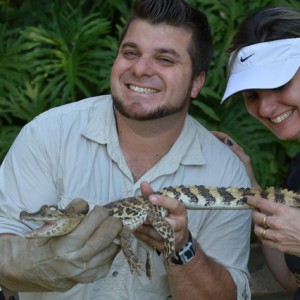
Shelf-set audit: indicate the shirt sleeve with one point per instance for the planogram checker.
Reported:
(224, 235)
(25, 180)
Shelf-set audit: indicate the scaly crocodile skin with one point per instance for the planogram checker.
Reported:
(134, 211)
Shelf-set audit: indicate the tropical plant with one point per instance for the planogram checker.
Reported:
(52, 53)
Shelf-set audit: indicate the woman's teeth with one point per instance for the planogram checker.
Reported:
(282, 117)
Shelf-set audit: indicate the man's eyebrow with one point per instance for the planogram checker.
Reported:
(158, 50)
(129, 44)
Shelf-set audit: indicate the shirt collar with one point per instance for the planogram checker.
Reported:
(102, 124)
(186, 150)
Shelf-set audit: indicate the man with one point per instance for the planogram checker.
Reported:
(106, 148)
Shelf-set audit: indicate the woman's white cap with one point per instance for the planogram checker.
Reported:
(265, 65)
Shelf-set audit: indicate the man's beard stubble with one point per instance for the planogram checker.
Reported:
(159, 112)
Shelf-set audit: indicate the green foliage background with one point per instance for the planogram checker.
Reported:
(56, 52)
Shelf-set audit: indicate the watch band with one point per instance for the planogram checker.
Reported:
(186, 253)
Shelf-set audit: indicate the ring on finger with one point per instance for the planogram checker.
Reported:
(263, 233)
(264, 221)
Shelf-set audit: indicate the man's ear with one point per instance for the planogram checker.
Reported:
(197, 84)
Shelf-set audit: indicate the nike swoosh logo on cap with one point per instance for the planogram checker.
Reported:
(245, 58)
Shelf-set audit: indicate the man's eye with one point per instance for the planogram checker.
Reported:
(130, 54)
(165, 60)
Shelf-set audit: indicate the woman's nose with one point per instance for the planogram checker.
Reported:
(267, 103)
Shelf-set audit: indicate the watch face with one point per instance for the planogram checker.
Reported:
(187, 253)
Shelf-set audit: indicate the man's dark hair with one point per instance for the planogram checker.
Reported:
(179, 14)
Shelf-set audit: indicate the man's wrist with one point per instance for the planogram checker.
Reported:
(186, 253)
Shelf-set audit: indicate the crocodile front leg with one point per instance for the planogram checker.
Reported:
(162, 226)
(134, 263)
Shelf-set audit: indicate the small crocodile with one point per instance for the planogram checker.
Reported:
(134, 211)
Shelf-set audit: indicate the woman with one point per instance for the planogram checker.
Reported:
(264, 68)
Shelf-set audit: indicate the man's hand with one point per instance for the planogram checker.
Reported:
(59, 263)
(177, 218)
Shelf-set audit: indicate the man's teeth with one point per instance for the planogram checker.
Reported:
(282, 117)
(141, 90)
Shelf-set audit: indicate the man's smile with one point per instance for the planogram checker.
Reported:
(141, 89)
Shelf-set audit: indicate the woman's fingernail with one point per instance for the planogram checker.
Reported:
(245, 199)
(229, 143)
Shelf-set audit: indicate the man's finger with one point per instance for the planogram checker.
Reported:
(146, 188)
(89, 224)
(102, 237)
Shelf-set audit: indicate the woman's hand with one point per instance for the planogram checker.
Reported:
(277, 225)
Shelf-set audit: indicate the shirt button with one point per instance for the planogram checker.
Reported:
(115, 273)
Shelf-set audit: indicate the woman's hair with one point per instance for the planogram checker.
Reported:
(267, 24)
(179, 14)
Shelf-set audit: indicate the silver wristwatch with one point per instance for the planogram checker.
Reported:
(186, 253)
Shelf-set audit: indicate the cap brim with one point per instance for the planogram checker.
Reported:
(262, 77)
